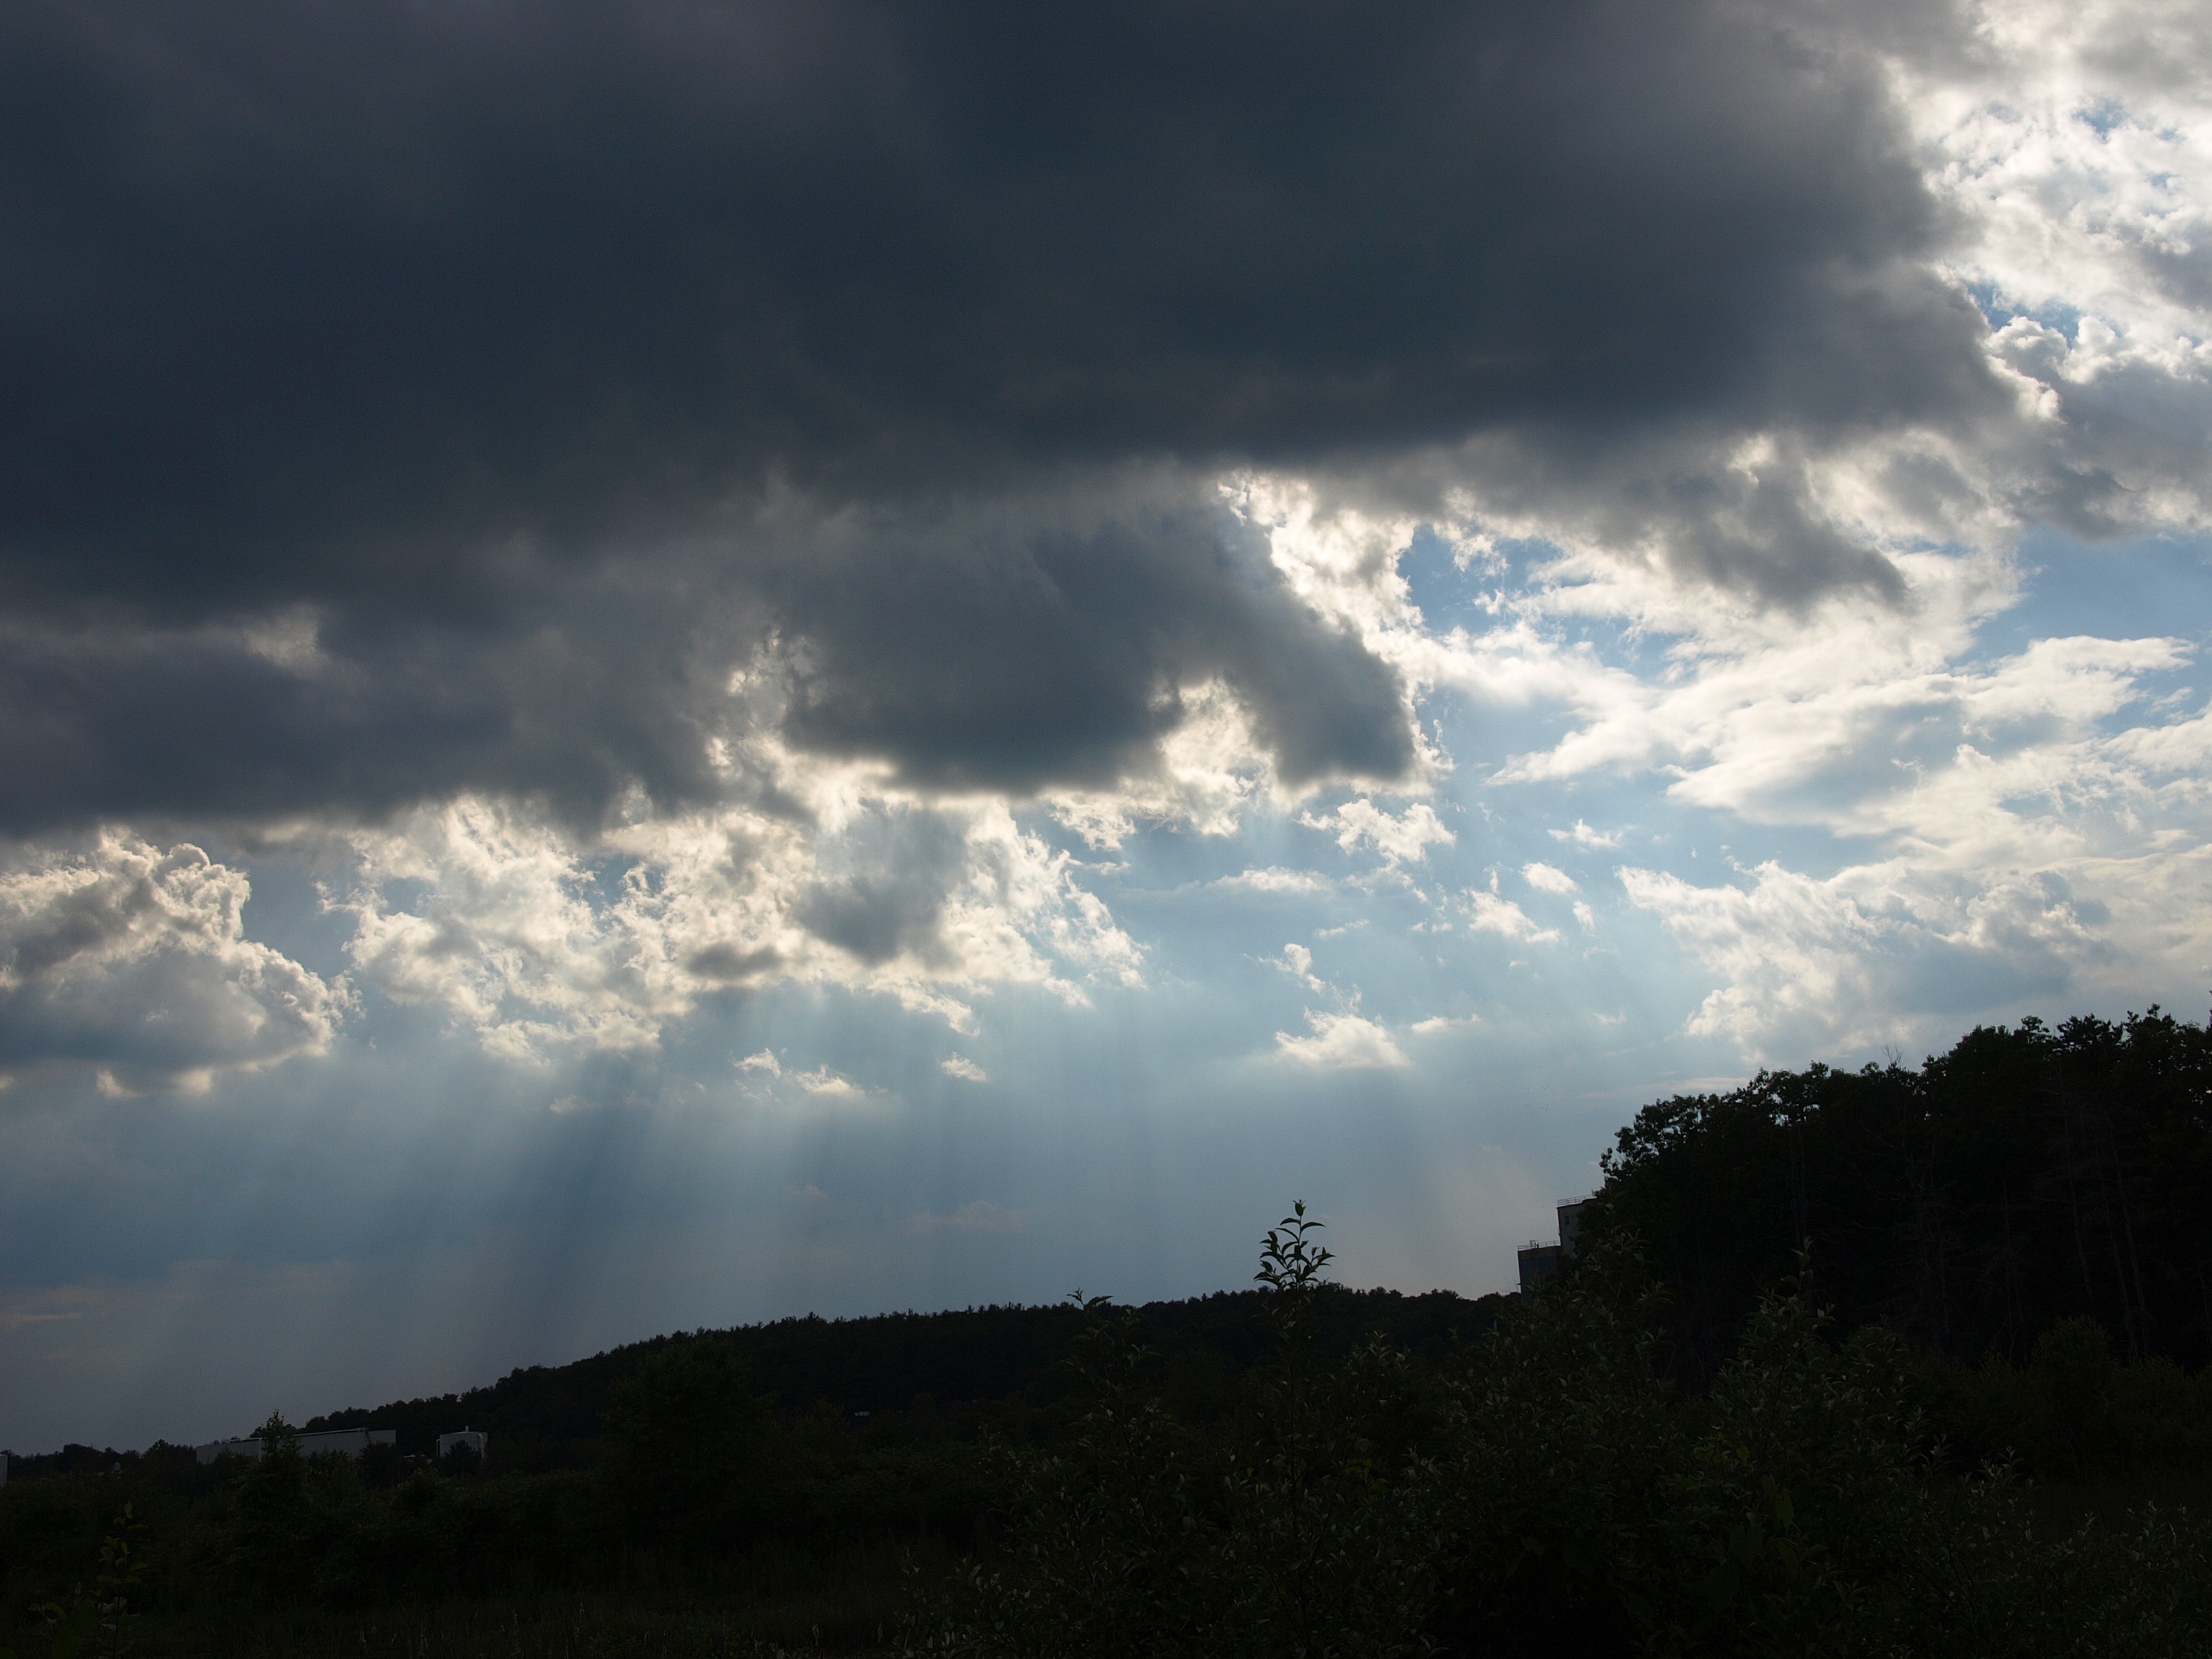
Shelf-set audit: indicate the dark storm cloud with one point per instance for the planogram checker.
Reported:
(1035, 639)
(570, 695)
(1051, 644)
(371, 307)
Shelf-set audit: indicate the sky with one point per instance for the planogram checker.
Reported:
(672, 663)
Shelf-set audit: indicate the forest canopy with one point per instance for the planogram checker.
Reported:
(2031, 1175)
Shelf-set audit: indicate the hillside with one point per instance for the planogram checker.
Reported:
(967, 1364)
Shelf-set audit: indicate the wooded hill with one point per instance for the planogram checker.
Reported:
(913, 1374)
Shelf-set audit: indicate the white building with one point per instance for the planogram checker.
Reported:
(329, 1442)
(474, 1439)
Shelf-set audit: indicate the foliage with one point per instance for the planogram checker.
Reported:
(1145, 1535)
(2032, 1175)
(1556, 1490)
(2075, 1411)
(275, 1522)
(96, 1618)
(1321, 1552)
(697, 1464)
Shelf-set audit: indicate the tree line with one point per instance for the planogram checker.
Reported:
(2031, 1175)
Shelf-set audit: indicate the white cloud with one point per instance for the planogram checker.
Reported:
(1912, 947)
(1345, 1042)
(1297, 961)
(1582, 835)
(961, 1066)
(1274, 879)
(539, 943)
(1548, 878)
(2072, 149)
(133, 960)
(1404, 839)
(1487, 913)
(765, 1061)
(1437, 1023)
(1868, 721)
(823, 1081)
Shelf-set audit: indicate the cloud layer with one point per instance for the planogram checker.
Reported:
(906, 650)
(412, 402)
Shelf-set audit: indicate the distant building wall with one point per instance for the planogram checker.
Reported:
(327, 1442)
(474, 1439)
(1538, 1263)
(1540, 1260)
(1571, 1224)
(344, 1443)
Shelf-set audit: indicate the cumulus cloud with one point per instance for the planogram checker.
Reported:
(960, 1066)
(1342, 1043)
(132, 959)
(2053, 854)
(1274, 879)
(1436, 1025)
(541, 944)
(1487, 913)
(1809, 966)
(2067, 157)
(679, 517)
(1858, 719)
(1403, 838)
(2099, 307)
(1297, 961)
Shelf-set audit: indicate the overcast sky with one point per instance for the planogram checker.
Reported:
(665, 664)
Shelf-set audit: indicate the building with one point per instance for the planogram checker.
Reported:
(330, 1442)
(474, 1439)
(1539, 1261)
(1570, 1223)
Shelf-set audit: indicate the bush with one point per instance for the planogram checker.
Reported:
(1560, 1494)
